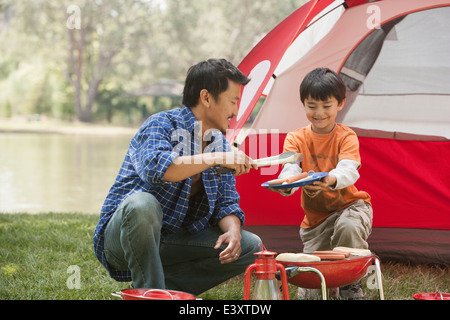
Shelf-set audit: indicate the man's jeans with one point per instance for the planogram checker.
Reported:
(182, 261)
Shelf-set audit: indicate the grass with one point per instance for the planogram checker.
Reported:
(38, 254)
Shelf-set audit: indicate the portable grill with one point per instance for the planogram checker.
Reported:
(332, 273)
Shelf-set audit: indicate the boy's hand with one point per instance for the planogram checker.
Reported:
(314, 189)
(281, 191)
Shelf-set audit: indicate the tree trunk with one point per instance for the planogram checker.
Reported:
(90, 99)
(75, 75)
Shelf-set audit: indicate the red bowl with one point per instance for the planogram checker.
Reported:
(154, 294)
(337, 273)
(431, 296)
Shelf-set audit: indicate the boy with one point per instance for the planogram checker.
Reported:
(336, 213)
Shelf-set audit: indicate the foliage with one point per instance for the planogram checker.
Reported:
(63, 60)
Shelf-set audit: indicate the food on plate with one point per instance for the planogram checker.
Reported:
(290, 179)
(354, 251)
(297, 257)
(276, 182)
(297, 177)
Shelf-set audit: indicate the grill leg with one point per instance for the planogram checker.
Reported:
(379, 278)
(322, 279)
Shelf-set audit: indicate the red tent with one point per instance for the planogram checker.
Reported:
(394, 56)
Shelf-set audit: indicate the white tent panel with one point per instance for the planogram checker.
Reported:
(411, 74)
(315, 31)
(408, 88)
(394, 114)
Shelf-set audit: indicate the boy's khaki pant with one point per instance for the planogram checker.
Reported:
(349, 227)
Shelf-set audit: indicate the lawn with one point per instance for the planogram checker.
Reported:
(50, 257)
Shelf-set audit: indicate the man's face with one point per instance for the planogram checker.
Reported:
(322, 114)
(222, 110)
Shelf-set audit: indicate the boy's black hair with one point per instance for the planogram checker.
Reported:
(322, 84)
(212, 75)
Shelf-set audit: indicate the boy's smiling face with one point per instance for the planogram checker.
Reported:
(322, 114)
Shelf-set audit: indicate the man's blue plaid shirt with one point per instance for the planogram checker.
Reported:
(162, 138)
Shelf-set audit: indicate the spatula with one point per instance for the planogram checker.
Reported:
(282, 158)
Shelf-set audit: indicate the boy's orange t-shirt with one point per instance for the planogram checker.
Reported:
(322, 152)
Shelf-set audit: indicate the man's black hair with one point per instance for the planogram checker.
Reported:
(212, 75)
(322, 84)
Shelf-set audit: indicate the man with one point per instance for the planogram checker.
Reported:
(170, 219)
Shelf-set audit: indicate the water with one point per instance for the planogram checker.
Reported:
(56, 172)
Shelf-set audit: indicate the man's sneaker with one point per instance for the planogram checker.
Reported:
(352, 292)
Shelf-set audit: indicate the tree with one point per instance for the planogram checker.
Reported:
(92, 39)
(79, 48)
(203, 29)
(98, 32)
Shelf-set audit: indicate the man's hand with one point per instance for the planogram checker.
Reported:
(231, 226)
(238, 161)
(184, 167)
